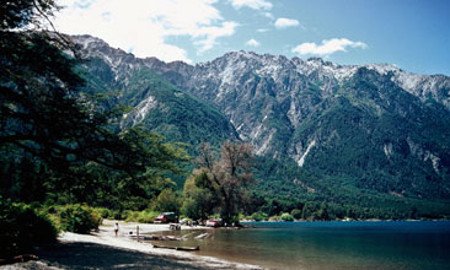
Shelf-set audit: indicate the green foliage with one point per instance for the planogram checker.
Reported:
(22, 228)
(20, 13)
(199, 200)
(225, 176)
(168, 201)
(76, 218)
(282, 179)
(259, 216)
(275, 218)
(56, 141)
(145, 216)
(104, 212)
(178, 115)
(296, 213)
(286, 217)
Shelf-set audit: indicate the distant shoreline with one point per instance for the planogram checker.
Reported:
(353, 220)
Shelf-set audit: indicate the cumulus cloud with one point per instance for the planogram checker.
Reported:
(144, 26)
(253, 4)
(286, 22)
(252, 43)
(268, 15)
(209, 35)
(328, 47)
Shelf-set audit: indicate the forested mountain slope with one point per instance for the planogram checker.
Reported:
(320, 130)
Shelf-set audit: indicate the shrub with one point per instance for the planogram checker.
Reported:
(274, 218)
(78, 218)
(287, 217)
(214, 216)
(168, 201)
(146, 216)
(129, 215)
(104, 212)
(296, 213)
(22, 228)
(258, 216)
(116, 214)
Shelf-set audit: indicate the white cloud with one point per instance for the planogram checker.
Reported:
(328, 47)
(143, 26)
(268, 15)
(84, 3)
(262, 30)
(212, 33)
(252, 43)
(286, 22)
(253, 4)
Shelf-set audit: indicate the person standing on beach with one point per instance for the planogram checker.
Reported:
(116, 228)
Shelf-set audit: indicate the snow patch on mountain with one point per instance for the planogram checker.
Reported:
(382, 69)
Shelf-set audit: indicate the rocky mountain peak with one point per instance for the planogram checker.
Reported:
(361, 121)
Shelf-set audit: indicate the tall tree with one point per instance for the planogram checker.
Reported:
(230, 173)
(199, 196)
(45, 117)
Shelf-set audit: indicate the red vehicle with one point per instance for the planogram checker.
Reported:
(166, 217)
(212, 223)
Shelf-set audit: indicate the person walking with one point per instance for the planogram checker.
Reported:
(116, 228)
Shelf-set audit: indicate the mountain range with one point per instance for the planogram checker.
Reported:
(373, 135)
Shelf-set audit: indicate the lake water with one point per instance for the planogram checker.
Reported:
(332, 245)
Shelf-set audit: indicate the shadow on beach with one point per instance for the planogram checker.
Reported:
(95, 256)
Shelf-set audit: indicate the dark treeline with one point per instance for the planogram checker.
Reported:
(285, 188)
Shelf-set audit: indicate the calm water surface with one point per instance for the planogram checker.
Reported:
(333, 245)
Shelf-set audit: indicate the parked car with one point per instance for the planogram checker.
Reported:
(212, 223)
(166, 217)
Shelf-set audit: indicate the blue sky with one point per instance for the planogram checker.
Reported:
(414, 35)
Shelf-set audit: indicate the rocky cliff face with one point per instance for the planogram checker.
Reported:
(151, 101)
(385, 128)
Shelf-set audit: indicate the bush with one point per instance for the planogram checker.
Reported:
(296, 213)
(104, 212)
(146, 216)
(287, 217)
(214, 216)
(168, 201)
(78, 218)
(274, 218)
(22, 228)
(258, 216)
(118, 215)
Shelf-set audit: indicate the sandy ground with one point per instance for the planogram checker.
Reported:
(102, 250)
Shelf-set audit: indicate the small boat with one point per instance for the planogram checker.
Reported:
(202, 236)
(157, 238)
(178, 248)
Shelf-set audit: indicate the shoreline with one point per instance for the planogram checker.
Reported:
(106, 248)
(350, 220)
(102, 250)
